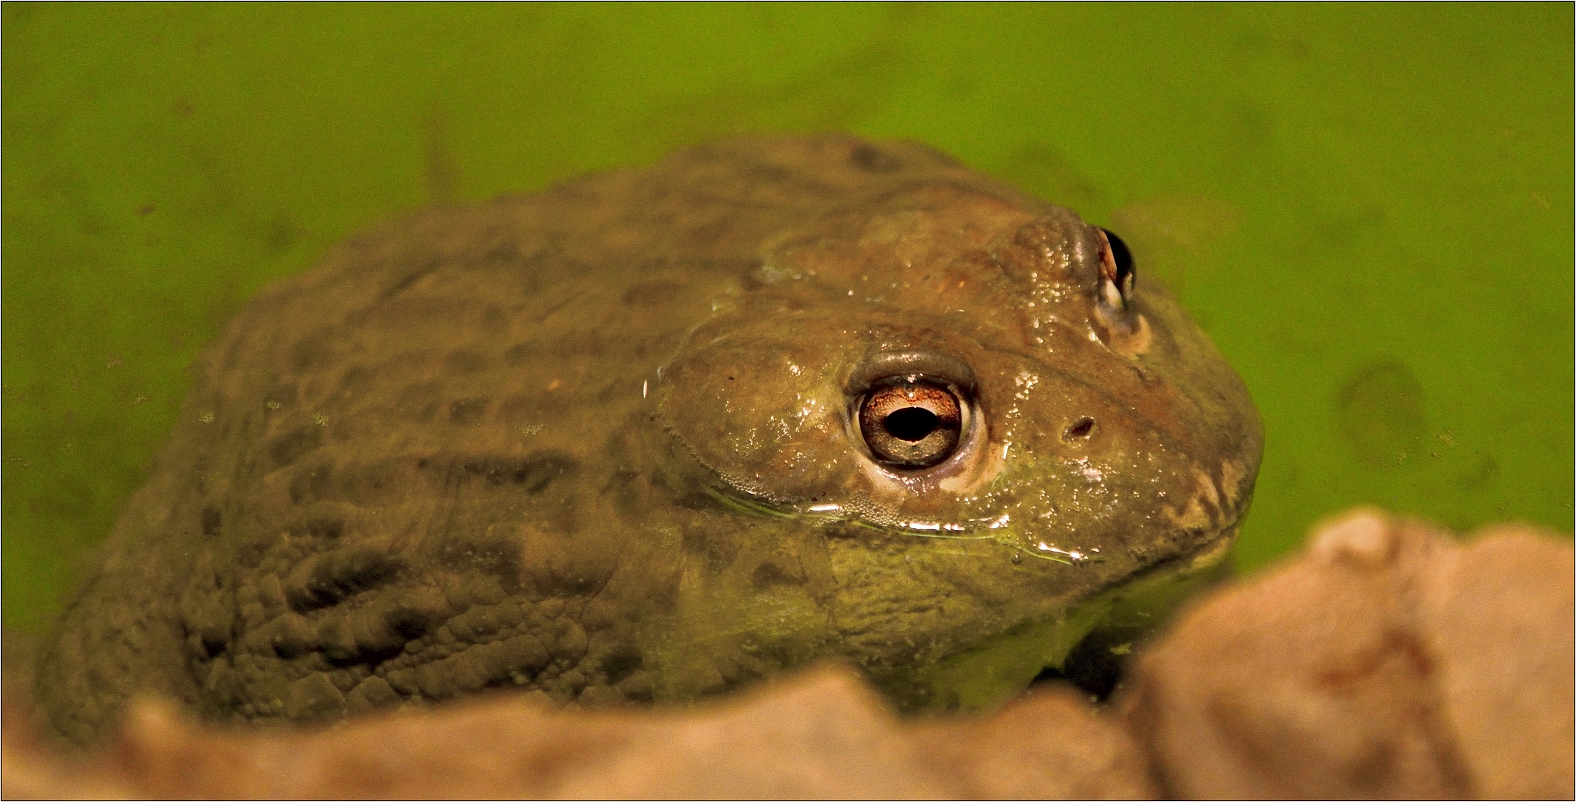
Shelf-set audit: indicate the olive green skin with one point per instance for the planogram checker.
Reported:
(596, 443)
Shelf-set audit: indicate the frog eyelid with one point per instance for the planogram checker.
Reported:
(933, 365)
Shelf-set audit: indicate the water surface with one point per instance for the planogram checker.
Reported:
(1367, 207)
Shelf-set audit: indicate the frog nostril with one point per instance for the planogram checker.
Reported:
(911, 423)
(1078, 429)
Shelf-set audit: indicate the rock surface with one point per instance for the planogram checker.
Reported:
(822, 734)
(1386, 661)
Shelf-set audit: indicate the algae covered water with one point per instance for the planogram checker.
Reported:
(1368, 209)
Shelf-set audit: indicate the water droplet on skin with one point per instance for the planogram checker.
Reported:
(1017, 558)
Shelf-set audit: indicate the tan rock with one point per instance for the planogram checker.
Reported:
(1050, 744)
(1501, 610)
(36, 767)
(1387, 662)
(823, 734)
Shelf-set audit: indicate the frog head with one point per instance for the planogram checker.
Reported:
(955, 429)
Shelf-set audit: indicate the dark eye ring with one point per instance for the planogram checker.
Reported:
(911, 423)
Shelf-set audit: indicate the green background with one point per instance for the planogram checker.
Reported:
(1369, 207)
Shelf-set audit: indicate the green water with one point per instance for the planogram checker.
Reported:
(1368, 207)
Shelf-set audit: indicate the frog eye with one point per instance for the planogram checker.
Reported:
(1118, 274)
(911, 423)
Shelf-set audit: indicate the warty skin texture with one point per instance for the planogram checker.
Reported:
(601, 443)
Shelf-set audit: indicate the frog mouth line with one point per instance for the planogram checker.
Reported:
(1206, 555)
(833, 513)
(1097, 663)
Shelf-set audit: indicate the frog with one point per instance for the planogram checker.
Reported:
(654, 434)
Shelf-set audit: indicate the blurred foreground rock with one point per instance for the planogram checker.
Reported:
(820, 734)
(1386, 661)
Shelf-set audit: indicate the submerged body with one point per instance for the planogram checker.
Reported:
(653, 434)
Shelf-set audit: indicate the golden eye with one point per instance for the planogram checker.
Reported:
(912, 423)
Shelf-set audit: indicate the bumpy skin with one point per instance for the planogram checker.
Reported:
(596, 442)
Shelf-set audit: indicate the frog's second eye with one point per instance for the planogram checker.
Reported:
(911, 423)
(1118, 274)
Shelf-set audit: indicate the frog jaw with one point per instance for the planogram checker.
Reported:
(988, 676)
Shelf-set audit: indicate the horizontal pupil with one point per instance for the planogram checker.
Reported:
(912, 424)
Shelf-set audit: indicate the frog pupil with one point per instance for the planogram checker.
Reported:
(911, 423)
